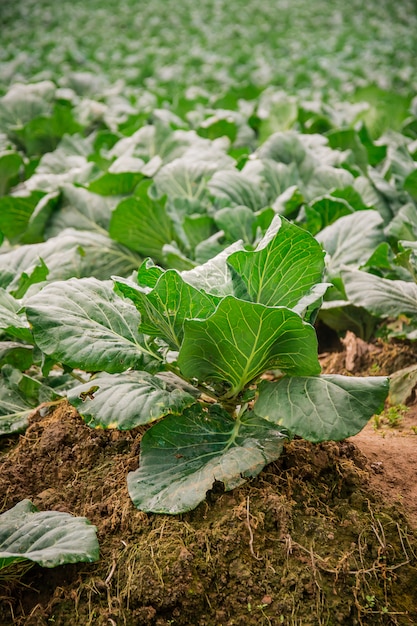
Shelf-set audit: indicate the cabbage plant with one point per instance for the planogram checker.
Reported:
(188, 352)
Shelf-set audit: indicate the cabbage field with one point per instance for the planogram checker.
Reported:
(208, 268)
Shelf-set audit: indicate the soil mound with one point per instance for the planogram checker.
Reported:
(324, 536)
(304, 543)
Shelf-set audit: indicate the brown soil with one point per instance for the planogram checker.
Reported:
(325, 536)
(390, 447)
(392, 454)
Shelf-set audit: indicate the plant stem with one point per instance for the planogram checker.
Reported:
(76, 377)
